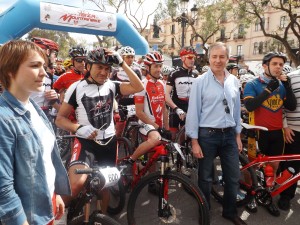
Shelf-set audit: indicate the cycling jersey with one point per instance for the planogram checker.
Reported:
(66, 79)
(181, 80)
(269, 113)
(153, 97)
(39, 97)
(94, 105)
(120, 75)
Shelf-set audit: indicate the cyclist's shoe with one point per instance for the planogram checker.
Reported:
(273, 210)
(284, 203)
(185, 171)
(153, 188)
(251, 206)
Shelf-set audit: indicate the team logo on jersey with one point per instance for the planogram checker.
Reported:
(273, 103)
(99, 110)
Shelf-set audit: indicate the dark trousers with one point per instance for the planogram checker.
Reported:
(293, 148)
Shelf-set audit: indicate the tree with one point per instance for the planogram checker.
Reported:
(134, 10)
(256, 10)
(64, 40)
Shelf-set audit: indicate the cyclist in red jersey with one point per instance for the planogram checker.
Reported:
(151, 108)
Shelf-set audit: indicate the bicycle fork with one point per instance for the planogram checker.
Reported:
(163, 206)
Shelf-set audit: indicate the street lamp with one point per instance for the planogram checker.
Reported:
(183, 18)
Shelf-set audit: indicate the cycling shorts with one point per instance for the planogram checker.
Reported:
(271, 142)
(90, 153)
(145, 129)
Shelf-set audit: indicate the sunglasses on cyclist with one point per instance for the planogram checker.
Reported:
(227, 110)
(190, 57)
(80, 60)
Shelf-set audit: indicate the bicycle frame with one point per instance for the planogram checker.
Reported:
(260, 159)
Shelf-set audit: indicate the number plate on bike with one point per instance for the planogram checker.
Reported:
(111, 175)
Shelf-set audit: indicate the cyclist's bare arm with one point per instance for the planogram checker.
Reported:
(62, 120)
(139, 108)
(169, 101)
(166, 117)
(135, 85)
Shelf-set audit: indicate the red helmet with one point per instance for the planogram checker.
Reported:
(45, 43)
(187, 51)
(153, 57)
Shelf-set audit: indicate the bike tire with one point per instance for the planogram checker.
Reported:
(244, 193)
(95, 218)
(183, 207)
(117, 192)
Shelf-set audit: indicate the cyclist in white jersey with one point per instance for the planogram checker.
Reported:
(92, 98)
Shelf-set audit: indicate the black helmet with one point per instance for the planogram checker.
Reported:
(77, 52)
(99, 56)
(267, 58)
(231, 66)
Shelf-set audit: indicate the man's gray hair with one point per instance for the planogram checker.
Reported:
(218, 45)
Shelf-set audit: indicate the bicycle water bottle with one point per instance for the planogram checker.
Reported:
(269, 175)
(285, 175)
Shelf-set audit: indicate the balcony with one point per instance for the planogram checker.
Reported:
(238, 36)
(223, 38)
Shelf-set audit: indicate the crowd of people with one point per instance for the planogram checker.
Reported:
(84, 90)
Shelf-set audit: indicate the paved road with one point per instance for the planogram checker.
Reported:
(262, 217)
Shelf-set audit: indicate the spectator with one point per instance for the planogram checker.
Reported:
(32, 174)
(292, 139)
(213, 124)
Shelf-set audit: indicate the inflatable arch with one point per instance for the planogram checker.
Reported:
(25, 15)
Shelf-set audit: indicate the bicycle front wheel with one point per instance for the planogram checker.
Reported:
(95, 219)
(248, 182)
(183, 202)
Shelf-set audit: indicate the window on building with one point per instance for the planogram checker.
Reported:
(261, 48)
(255, 48)
(283, 21)
(172, 43)
(173, 29)
(222, 33)
(241, 31)
(239, 50)
(257, 25)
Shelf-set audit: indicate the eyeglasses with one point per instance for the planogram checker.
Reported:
(191, 57)
(80, 60)
(227, 110)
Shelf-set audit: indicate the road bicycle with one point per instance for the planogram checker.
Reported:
(253, 183)
(178, 200)
(79, 211)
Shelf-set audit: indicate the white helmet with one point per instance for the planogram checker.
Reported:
(205, 69)
(127, 50)
(287, 69)
(166, 70)
(242, 71)
(246, 78)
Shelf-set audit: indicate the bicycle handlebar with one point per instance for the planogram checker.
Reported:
(85, 171)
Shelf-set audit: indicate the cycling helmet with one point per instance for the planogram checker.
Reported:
(205, 68)
(231, 66)
(45, 43)
(166, 70)
(267, 58)
(142, 66)
(287, 69)
(59, 60)
(67, 63)
(99, 56)
(77, 52)
(187, 51)
(242, 71)
(246, 78)
(153, 57)
(127, 50)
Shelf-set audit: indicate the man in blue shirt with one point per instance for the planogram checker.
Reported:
(214, 125)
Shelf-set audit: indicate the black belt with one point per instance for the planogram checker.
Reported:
(220, 130)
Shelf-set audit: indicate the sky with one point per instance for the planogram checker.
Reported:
(4, 4)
